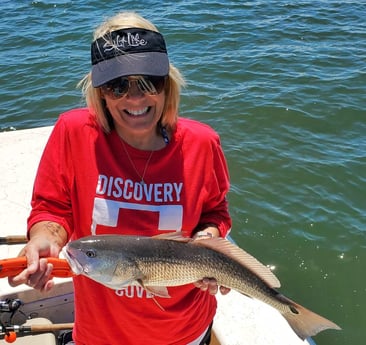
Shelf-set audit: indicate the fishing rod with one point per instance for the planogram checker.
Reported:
(16, 239)
(9, 333)
(36, 328)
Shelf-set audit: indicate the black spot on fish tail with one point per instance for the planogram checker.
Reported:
(293, 309)
(304, 322)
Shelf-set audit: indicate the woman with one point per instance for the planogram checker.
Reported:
(127, 164)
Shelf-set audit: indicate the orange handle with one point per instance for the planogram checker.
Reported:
(12, 267)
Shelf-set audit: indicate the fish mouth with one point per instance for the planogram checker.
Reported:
(74, 264)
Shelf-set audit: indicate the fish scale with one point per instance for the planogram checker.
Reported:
(183, 269)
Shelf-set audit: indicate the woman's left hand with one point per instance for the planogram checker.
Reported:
(210, 285)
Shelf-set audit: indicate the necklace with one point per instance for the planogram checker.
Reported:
(134, 166)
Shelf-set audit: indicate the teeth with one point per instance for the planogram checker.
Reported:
(137, 112)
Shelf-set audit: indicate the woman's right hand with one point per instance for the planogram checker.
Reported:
(46, 240)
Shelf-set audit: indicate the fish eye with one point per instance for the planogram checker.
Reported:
(90, 253)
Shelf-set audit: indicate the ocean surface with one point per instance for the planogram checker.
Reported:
(282, 82)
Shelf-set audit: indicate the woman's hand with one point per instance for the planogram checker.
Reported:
(46, 239)
(209, 284)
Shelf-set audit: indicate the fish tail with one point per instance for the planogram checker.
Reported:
(303, 321)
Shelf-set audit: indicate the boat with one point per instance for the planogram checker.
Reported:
(43, 318)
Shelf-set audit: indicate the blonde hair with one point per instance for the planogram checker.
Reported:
(175, 81)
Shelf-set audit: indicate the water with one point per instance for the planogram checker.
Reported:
(283, 82)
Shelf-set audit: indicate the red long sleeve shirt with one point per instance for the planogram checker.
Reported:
(89, 184)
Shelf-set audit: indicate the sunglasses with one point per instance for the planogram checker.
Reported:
(119, 87)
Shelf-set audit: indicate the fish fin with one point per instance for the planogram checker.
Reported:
(160, 291)
(153, 291)
(231, 250)
(303, 321)
(158, 304)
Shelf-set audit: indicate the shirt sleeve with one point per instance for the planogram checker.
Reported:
(216, 209)
(51, 190)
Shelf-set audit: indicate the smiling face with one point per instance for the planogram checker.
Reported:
(135, 113)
